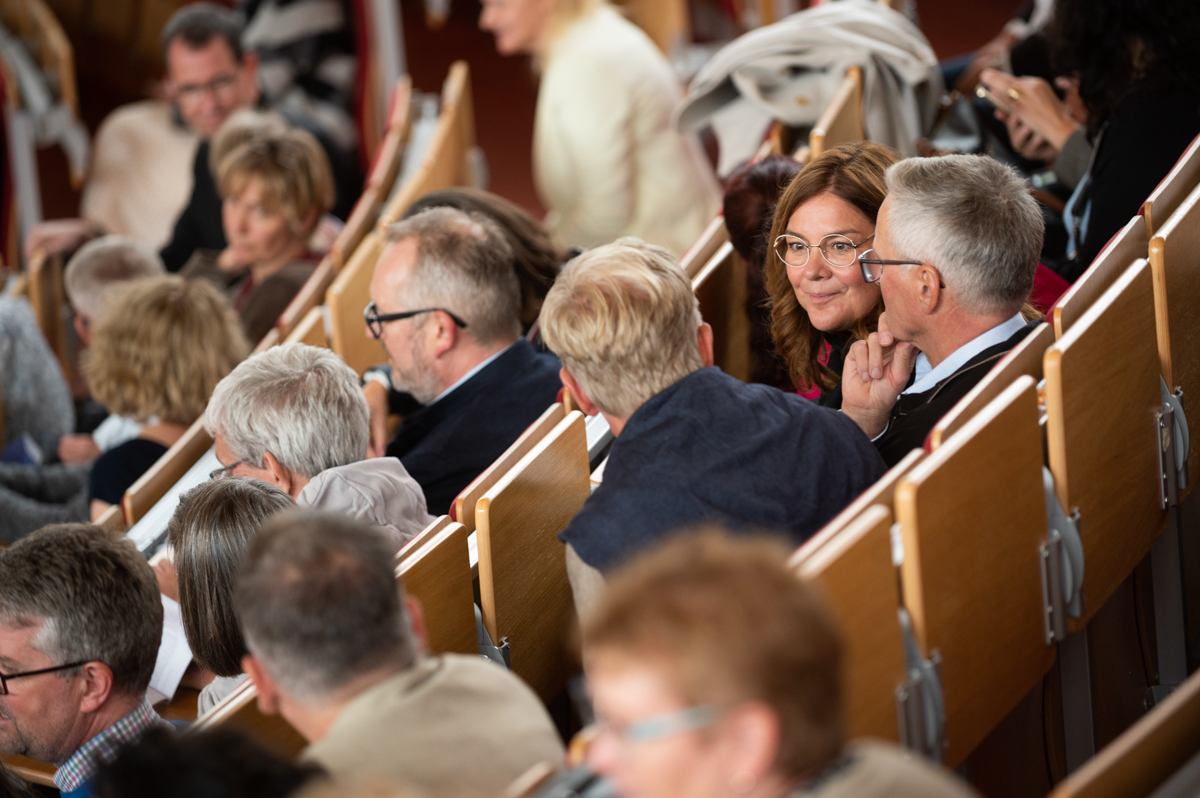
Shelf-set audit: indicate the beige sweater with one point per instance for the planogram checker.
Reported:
(606, 160)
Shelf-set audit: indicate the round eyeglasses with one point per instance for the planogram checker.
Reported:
(837, 249)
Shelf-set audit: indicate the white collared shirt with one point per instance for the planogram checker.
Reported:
(482, 365)
(928, 376)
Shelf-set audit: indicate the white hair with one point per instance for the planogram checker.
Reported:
(300, 403)
(972, 218)
(102, 263)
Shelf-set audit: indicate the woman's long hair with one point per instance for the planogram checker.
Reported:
(855, 174)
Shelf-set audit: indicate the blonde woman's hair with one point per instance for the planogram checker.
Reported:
(297, 181)
(623, 320)
(243, 126)
(162, 349)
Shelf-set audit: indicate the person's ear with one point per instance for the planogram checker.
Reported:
(97, 686)
(281, 477)
(268, 693)
(752, 732)
(416, 616)
(930, 287)
(577, 394)
(444, 333)
(83, 330)
(705, 337)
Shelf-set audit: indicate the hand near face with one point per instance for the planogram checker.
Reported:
(229, 262)
(1035, 104)
(873, 377)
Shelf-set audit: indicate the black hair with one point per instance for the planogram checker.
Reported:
(198, 24)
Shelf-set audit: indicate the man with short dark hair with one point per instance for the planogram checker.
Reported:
(445, 304)
(336, 648)
(80, 626)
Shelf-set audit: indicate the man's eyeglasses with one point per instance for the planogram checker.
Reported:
(872, 268)
(837, 249)
(221, 87)
(375, 319)
(658, 726)
(224, 471)
(5, 677)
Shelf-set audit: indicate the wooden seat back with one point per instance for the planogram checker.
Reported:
(153, 485)
(1146, 754)
(30, 770)
(310, 331)
(49, 300)
(1175, 263)
(1173, 190)
(1024, 359)
(972, 518)
(842, 122)
(437, 571)
(239, 711)
(854, 571)
(720, 287)
(523, 588)
(310, 295)
(1102, 393)
(666, 22)
(1125, 247)
(464, 503)
(713, 238)
(347, 298)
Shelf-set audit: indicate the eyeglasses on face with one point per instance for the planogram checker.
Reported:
(657, 727)
(221, 87)
(224, 471)
(5, 678)
(837, 249)
(872, 268)
(375, 319)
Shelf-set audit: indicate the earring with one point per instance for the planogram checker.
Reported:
(743, 782)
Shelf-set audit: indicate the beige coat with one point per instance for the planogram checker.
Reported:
(450, 725)
(883, 770)
(606, 160)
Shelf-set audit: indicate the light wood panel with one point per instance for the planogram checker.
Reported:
(1124, 248)
(239, 711)
(854, 571)
(1175, 265)
(523, 588)
(310, 295)
(714, 236)
(720, 287)
(1146, 755)
(972, 516)
(666, 22)
(29, 770)
(1102, 391)
(347, 298)
(464, 503)
(154, 484)
(310, 331)
(48, 298)
(842, 122)
(438, 573)
(1173, 189)
(424, 536)
(1024, 359)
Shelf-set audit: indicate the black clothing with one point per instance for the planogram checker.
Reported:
(713, 448)
(915, 414)
(120, 467)
(445, 445)
(839, 344)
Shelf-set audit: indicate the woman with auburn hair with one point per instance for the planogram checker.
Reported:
(156, 356)
(820, 303)
(715, 671)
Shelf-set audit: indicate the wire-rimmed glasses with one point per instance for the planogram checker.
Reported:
(838, 250)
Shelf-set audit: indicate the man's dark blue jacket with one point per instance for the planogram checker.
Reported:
(712, 448)
(447, 444)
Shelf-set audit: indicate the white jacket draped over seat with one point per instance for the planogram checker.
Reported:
(607, 162)
(790, 71)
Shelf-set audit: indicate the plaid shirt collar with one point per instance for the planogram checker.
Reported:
(83, 764)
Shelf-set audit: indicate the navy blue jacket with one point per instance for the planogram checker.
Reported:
(450, 442)
(712, 448)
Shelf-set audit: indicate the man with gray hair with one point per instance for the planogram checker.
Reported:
(694, 445)
(295, 416)
(80, 625)
(445, 304)
(956, 247)
(337, 649)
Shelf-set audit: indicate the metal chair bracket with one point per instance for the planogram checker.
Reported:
(920, 707)
(1173, 446)
(1061, 559)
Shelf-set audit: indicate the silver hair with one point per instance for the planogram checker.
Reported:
(973, 219)
(300, 403)
(464, 265)
(102, 263)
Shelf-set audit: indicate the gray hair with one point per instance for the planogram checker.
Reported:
(102, 263)
(95, 595)
(300, 403)
(320, 603)
(974, 219)
(464, 265)
(209, 532)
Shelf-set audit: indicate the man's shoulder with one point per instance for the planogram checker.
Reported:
(878, 770)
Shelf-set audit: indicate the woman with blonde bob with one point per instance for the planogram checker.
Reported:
(820, 303)
(156, 356)
(716, 672)
(606, 161)
(275, 185)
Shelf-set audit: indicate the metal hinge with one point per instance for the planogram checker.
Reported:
(919, 705)
(1061, 563)
(1173, 445)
